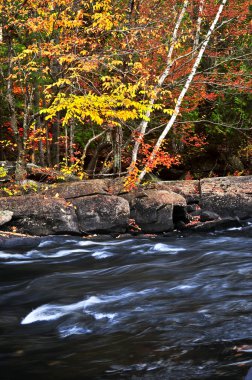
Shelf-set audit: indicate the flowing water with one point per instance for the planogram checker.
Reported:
(164, 308)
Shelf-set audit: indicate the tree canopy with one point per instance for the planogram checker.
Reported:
(110, 87)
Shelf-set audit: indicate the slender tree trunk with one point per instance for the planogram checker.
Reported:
(55, 143)
(48, 160)
(183, 92)
(38, 125)
(20, 172)
(71, 141)
(169, 62)
(48, 148)
(66, 146)
(198, 25)
(55, 154)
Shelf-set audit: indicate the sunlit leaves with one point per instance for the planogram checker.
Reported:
(104, 109)
(95, 65)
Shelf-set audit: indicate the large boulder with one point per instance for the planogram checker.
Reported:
(38, 215)
(102, 213)
(5, 216)
(77, 189)
(153, 210)
(227, 196)
(189, 189)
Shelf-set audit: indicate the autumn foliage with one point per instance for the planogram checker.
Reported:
(89, 86)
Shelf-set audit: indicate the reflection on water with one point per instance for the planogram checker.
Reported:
(164, 308)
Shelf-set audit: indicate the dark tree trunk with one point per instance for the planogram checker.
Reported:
(55, 144)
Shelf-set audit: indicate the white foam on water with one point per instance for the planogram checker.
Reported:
(220, 253)
(61, 253)
(50, 312)
(84, 243)
(19, 262)
(203, 311)
(7, 256)
(105, 243)
(35, 254)
(109, 316)
(101, 254)
(45, 243)
(125, 295)
(66, 331)
(171, 250)
(184, 287)
(48, 243)
(139, 309)
(234, 229)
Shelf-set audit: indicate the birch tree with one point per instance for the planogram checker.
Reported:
(150, 164)
(144, 123)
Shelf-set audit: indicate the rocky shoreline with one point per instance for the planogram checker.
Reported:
(98, 207)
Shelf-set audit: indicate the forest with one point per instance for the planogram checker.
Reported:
(127, 87)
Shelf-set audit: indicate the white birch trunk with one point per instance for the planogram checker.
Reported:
(184, 91)
(198, 25)
(144, 123)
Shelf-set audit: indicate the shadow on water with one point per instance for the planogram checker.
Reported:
(136, 309)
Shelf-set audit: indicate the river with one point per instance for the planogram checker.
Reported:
(133, 309)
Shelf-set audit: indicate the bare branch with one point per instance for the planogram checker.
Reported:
(96, 137)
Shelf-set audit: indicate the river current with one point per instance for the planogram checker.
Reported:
(163, 308)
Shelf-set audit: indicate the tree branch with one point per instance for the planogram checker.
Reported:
(183, 92)
(169, 62)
